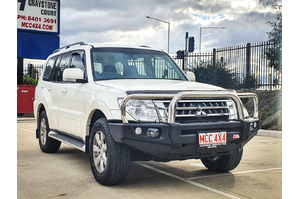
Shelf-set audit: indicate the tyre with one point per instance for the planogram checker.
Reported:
(223, 163)
(110, 161)
(47, 144)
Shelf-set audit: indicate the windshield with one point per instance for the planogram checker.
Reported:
(127, 63)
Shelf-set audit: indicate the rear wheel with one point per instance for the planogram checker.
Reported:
(47, 144)
(110, 161)
(223, 163)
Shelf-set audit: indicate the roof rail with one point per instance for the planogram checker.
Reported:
(144, 46)
(68, 46)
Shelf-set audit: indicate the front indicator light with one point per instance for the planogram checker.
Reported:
(232, 110)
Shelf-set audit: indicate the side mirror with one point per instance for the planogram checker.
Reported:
(73, 75)
(191, 76)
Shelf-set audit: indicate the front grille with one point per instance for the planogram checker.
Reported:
(197, 110)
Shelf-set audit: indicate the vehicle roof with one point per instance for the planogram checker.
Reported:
(82, 45)
(98, 45)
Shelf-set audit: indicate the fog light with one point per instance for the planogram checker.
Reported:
(152, 132)
(138, 131)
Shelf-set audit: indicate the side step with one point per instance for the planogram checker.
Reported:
(70, 140)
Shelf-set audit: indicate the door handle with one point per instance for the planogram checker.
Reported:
(64, 91)
(49, 88)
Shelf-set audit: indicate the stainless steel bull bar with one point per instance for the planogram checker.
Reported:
(255, 102)
(175, 98)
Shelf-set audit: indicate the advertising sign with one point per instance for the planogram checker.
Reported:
(38, 16)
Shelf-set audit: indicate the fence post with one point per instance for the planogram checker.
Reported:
(20, 71)
(214, 57)
(248, 58)
(183, 60)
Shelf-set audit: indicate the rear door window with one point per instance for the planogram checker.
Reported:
(57, 73)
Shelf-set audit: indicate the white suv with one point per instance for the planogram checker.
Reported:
(122, 104)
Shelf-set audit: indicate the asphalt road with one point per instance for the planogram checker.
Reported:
(67, 174)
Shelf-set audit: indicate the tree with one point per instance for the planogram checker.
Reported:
(216, 74)
(32, 72)
(31, 76)
(274, 53)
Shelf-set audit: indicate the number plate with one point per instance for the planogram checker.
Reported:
(213, 139)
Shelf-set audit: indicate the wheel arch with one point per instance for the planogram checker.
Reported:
(39, 110)
(95, 110)
(93, 116)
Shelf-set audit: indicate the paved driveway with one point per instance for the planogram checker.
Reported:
(67, 174)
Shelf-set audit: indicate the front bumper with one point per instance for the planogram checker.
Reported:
(180, 141)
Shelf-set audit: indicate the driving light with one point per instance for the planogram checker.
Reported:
(152, 132)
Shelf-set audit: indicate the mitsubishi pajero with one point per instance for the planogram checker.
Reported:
(122, 104)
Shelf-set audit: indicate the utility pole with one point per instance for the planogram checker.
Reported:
(186, 50)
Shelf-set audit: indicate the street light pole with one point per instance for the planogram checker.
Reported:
(168, 29)
(203, 27)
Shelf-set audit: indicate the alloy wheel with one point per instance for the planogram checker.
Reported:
(43, 131)
(100, 151)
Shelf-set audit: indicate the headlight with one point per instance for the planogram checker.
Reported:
(246, 114)
(142, 110)
(232, 110)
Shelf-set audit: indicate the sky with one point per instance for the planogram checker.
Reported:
(124, 22)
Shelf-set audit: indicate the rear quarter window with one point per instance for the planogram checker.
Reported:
(49, 69)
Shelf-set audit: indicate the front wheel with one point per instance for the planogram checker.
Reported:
(223, 163)
(109, 160)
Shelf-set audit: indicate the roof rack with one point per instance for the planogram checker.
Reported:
(68, 46)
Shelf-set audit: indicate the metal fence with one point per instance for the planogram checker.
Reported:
(192, 60)
(243, 60)
(33, 71)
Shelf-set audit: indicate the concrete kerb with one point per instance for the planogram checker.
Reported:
(269, 133)
(26, 119)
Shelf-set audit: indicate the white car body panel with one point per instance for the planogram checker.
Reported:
(155, 85)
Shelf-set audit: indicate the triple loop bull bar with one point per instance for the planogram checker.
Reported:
(196, 94)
